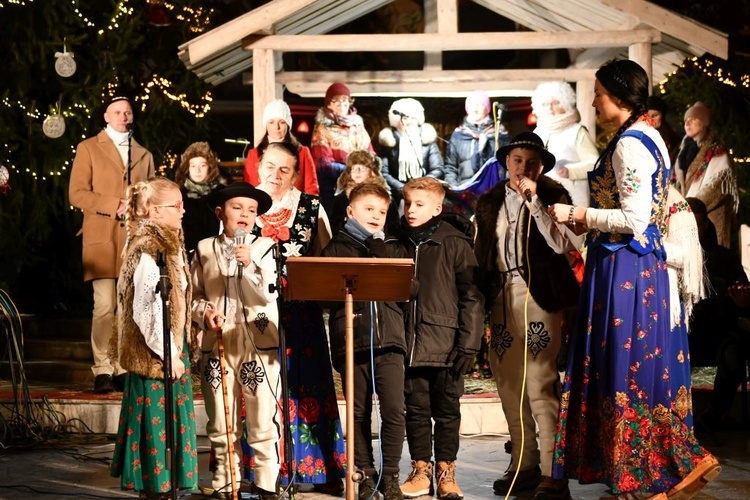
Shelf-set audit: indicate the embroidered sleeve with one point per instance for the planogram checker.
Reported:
(633, 167)
(262, 270)
(553, 234)
(147, 305)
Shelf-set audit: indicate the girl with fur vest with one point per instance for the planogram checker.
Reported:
(154, 217)
(361, 167)
(408, 148)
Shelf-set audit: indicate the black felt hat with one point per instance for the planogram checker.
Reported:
(240, 190)
(527, 140)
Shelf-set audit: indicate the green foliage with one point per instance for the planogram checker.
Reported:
(113, 44)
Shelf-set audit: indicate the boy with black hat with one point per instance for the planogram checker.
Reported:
(231, 274)
(508, 275)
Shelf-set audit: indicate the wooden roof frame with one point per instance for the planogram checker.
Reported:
(256, 39)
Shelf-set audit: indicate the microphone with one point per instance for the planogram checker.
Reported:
(526, 192)
(239, 237)
(396, 112)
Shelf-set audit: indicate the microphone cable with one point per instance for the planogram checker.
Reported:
(525, 350)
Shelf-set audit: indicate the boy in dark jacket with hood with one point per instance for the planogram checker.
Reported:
(379, 344)
(443, 331)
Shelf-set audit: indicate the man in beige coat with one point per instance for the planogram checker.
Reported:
(103, 168)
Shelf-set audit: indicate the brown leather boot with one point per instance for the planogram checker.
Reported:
(419, 481)
(445, 477)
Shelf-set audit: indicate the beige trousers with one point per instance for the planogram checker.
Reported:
(541, 401)
(103, 323)
(253, 376)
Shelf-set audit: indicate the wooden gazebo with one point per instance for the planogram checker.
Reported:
(593, 30)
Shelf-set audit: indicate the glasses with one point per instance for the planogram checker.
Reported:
(360, 168)
(178, 205)
(340, 101)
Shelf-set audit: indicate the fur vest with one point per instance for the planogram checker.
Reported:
(553, 284)
(134, 354)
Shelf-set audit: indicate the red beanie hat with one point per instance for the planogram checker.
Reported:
(337, 89)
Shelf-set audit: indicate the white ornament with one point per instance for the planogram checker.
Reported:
(54, 126)
(65, 65)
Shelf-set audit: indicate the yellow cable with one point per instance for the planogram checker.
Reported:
(525, 354)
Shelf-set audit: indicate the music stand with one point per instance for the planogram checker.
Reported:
(349, 279)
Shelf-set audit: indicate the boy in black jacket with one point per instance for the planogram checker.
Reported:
(379, 344)
(444, 330)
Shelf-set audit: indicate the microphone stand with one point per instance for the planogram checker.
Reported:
(130, 147)
(163, 287)
(278, 287)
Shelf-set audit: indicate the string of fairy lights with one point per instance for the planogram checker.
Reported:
(197, 19)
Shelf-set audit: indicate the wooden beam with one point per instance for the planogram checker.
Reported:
(264, 85)
(641, 53)
(447, 16)
(584, 99)
(257, 20)
(700, 37)
(426, 83)
(417, 42)
(432, 60)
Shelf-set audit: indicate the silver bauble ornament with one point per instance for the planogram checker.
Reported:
(54, 126)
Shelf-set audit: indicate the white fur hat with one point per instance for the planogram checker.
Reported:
(408, 107)
(277, 109)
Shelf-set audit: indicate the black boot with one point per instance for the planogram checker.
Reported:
(366, 489)
(390, 487)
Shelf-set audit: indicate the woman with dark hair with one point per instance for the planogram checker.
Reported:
(198, 176)
(277, 119)
(626, 411)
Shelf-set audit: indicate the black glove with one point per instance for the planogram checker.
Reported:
(376, 247)
(462, 362)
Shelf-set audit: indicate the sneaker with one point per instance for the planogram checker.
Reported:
(419, 481)
(103, 384)
(366, 489)
(552, 489)
(527, 480)
(389, 487)
(445, 476)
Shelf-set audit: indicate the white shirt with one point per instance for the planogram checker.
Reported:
(147, 305)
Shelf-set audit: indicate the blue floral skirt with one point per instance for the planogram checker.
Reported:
(626, 417)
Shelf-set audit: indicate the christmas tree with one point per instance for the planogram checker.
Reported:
(61, 58)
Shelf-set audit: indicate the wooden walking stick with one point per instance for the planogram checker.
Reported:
(230, 435)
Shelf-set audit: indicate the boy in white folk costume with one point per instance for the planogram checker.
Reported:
(231, 275)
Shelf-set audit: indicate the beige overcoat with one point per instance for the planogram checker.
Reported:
(98, 181)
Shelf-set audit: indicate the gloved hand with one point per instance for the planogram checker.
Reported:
(376, 247)
(462, 362)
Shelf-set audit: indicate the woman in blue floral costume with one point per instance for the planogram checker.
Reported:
(626, 415)
(298, 222)
(154, 213)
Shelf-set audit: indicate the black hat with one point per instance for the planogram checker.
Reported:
(527, 140)
(240, 189)
(117, 96)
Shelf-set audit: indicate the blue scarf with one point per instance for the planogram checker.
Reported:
(359, 232)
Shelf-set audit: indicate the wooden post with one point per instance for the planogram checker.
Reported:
(641, 53)
(440, 16)
(584, 98)
(264, 86)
